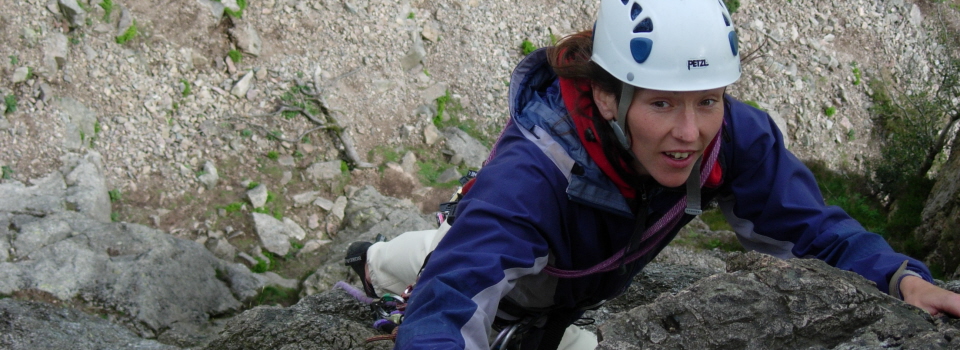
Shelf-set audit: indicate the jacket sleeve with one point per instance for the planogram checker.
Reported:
(495, 239)
(775, 206)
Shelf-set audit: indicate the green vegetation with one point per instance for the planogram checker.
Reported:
(851, 135)
(830, 111)
(115, 195)
(14, 60)
(753, 104)
(527, 47)
(128, 35)
(273, 155)
(187, 88)
(6, 172)
(908, 126)
(274, 295)
(107, 6)
(441, 107)
(732, 5)
(252, 185)
(97, 127)
(236, 14)
(10, 103)
(856, 74)
(233, 207)
(114, 217)
(411, 15)
(274, 135)
(235, 55)
(246, 132)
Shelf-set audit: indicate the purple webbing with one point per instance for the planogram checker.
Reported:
(660, 228)
(354, 292)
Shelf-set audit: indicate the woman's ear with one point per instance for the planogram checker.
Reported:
(606, 102)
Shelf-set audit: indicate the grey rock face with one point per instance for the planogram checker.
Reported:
(153, 278)
(324, 170)
(464, 148)
(767, 303)
(87, 190)
(73, 12)
(273, 234)
(247, 39)
(209, 178)
(367, 214)
(39, 326)
(79, 123)
(55, 50)
(258, 196)
(939, 231)
(329, 320)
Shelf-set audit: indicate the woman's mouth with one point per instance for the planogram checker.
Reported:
(678, 155)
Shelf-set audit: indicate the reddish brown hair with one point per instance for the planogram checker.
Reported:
(571, 59)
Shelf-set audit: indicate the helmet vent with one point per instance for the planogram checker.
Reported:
(624, 1)
(645, 26)
(726, 20)
(635, 11)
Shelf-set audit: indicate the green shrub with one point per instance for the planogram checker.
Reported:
(830, 111)
(273, 155)
(115, 195)
(107, 6)
(10, 103)
(852, 192)
(236, 14)
(907, 126)
(187, 89)
(732, 5)
(6, 172)
(233, 207)
(856, 74)
(441, 108)
(527, 47)
(128, 35)
(235, 55)
(274, 295)
(753, 104)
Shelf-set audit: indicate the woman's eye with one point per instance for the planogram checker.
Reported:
(660, 104)
(708, 103)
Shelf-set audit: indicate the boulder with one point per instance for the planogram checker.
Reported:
(328, 320)
(465, 148)
(31, 325)
(939, 232)
(151, 278)
(766, 303)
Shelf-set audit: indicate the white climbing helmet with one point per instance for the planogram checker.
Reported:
(671, 45)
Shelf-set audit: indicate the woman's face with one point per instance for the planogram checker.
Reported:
(669, 130)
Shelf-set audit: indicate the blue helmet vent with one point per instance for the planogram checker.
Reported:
(734, 46)
(640, 48)
(624, 1)
(726, 20)
(635, 11)
(645, 26)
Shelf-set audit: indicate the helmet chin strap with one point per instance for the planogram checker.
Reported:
(619, 127)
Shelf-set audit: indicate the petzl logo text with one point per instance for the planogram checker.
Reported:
(697, 64)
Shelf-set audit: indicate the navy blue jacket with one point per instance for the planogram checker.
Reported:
(542, 200)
